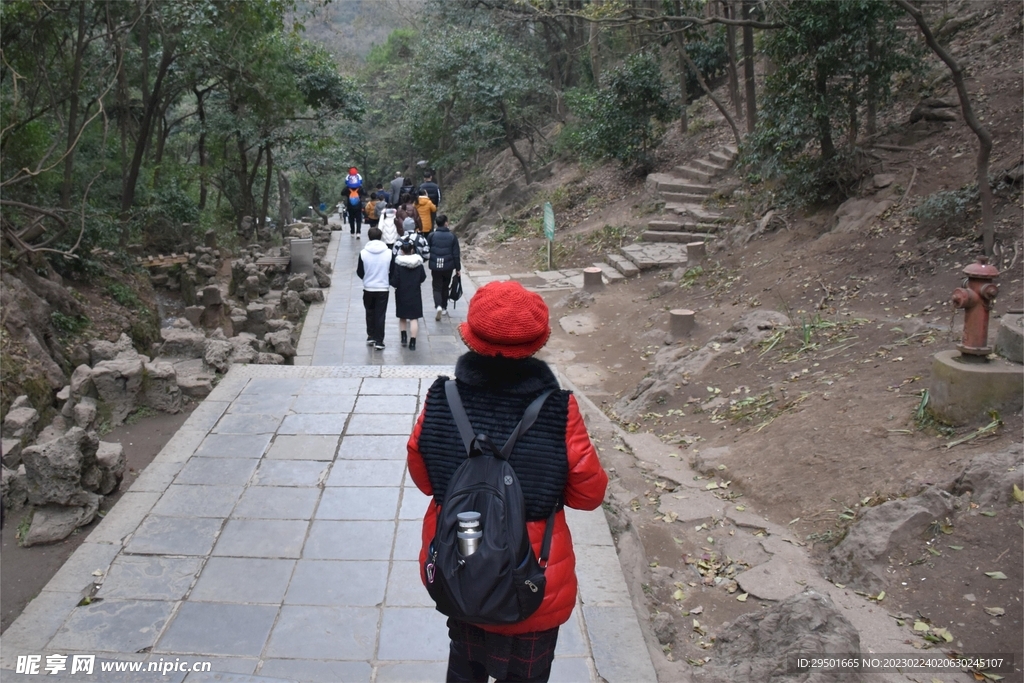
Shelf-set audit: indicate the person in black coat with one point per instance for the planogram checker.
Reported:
(445, 260)
(407, 274)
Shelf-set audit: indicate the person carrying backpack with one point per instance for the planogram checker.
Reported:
(374, 269)
(499, 385)
(445, 260)
(389, 229)
(372, 210)
(426, 210)
(354, 198)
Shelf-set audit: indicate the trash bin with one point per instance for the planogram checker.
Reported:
(302, 255)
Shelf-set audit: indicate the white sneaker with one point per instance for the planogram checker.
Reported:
(446, 313)
(437, 316)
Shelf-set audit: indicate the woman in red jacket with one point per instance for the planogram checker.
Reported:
(554, 460)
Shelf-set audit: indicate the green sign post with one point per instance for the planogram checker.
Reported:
(549, 230)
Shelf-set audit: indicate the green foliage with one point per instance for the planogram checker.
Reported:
(831, 58)
(123, 294)
(68, 325)
(619, 121)
(607, 237)
(946, 211)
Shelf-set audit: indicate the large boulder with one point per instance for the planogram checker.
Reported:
(269, 359)
(51, 523)
(84, 412)
(294, 308)
(183, 342)
(101, 350)
(108, 472)
(281, 342)
(13, 487)
(860, 560)
(763, 646)
(118, 384)
(28, 319)
(217, 354)
(81, 382)
(20, 423)
(160, 387)
(10, 452)
(990, 477)
(54, 470)
(322, 275)
(245, 348)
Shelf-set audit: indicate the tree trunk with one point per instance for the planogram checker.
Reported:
(828, 149)
(284, 195)
(684, 122)
(510, 139)
(984, 137)
(201, 109)
(73, 104)
(266, 188)
(595, 47)
(730, 40)
(711, 96)
(854, 122)
(870, 122)
(748, 67)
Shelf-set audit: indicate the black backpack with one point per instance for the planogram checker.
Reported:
(502, 582)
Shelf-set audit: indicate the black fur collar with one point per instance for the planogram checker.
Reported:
(513, 376)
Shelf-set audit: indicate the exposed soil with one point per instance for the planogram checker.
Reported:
(27, 570)
(822, 420)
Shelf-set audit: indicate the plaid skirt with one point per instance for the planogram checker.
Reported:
(520, 657)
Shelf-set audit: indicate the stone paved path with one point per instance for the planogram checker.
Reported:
(275, 535)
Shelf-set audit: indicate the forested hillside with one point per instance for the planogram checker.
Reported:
(136, 128)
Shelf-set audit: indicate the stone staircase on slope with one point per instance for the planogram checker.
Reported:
(684, 218)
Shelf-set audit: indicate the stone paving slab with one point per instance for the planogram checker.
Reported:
(276, 534)
(645, 255)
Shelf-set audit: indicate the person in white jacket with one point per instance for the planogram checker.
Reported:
(388, 228)
(374, 268)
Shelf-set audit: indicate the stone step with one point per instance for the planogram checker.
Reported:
(693, 173)
(709, 166)
(696, 211)
(683, 237)
(730, 149)
(623, 265)
(681, 225)
(645, 255)
(609, 273)
(722, 158)
(662, 182)
(681, 197)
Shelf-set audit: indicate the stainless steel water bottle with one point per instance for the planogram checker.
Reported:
(469, 532)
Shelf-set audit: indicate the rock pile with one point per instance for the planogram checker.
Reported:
(64, 474)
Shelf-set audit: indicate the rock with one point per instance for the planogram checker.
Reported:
(218, 353)
(664, 288)
(322, 275)
(312, 296)
(212, 296)
(84, 412)
(296, 283)
(182, 343)
(52, 523)
(293, 306)
(100, 350)
(20, 402)
(678, 273)
(206, 270)
(195, 386)
(56, 429)
(118, 384)
(111, 463)
(244, 349)
(81, 382)
(269, 359)
(857, 215)
(54, 470)
(990, 477)
(578, 298)
(10, 452)
(282, 343)
(13, 488)
(664, 628)
(80, 355)
(883, 180)
(759, 646)
(279, 324)
(252, 288)
(1010, 338)
(65, 393)
(20, 423)
(28, 319)
(194, 314)
(182, 323)
(861, 558)
(160, 387)
(932, 109)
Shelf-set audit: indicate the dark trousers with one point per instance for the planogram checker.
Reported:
(355, 221)
(376, 305)
(462, 670)
(441, 280)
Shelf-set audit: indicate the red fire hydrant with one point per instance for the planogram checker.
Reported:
(976, 297)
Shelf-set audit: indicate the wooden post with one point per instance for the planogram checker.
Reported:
(681, 323)
(592, 281)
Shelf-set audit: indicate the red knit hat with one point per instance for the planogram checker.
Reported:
(507, 320)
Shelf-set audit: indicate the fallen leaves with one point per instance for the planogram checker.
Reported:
(996, 575)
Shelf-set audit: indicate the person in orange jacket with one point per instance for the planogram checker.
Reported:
(554, 460)
(426, 209)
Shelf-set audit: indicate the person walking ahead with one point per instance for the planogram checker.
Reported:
(374, 268)
(426, 210)
(407, 275)
(555, 462)
(445, 260)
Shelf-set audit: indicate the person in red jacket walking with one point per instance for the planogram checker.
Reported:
(554, 460)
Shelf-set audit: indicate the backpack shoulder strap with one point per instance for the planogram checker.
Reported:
(466, 429)
(459, 413)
